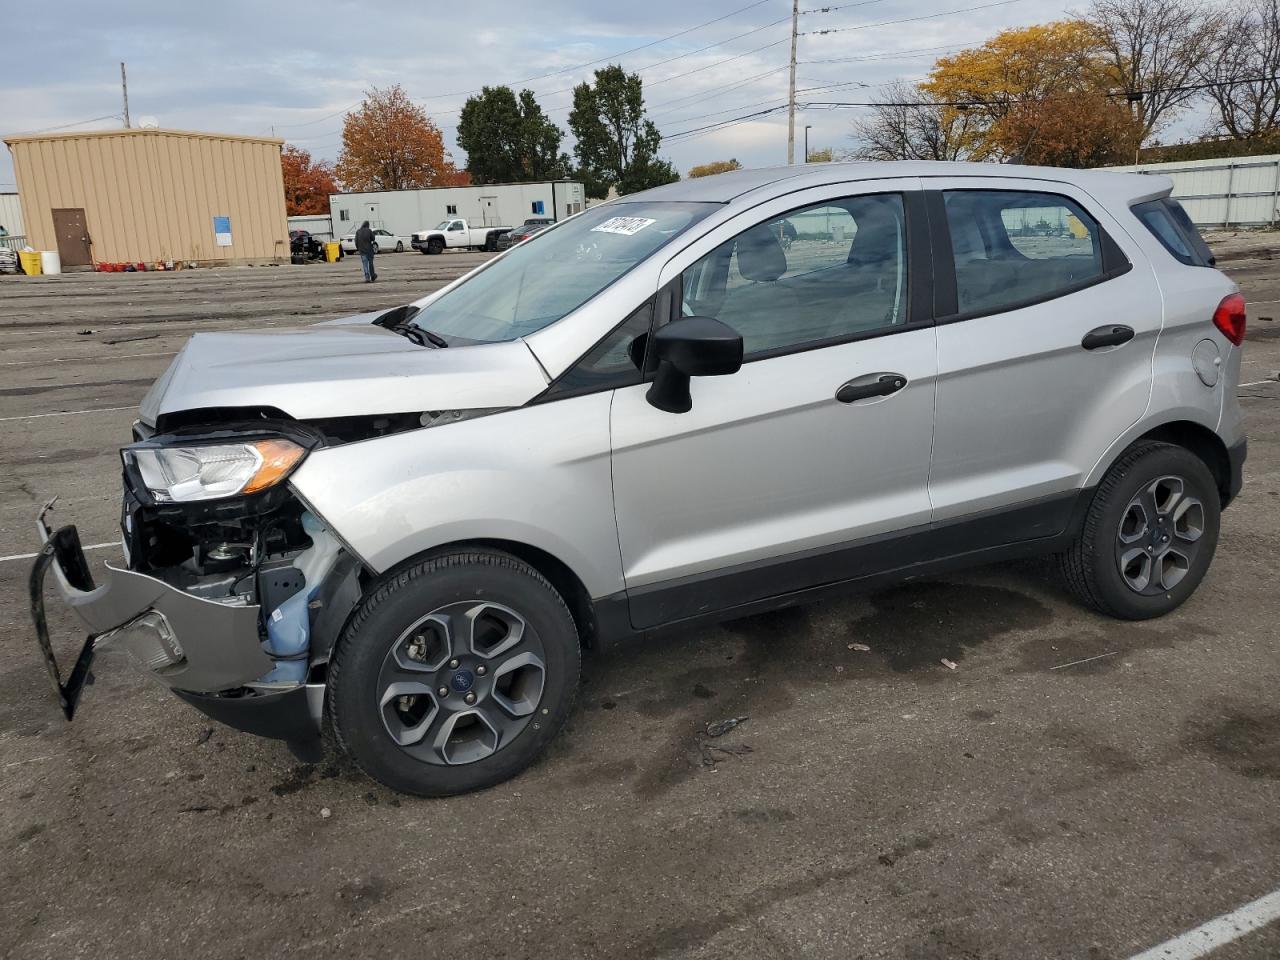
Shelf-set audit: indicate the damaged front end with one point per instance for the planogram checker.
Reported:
(234, 591)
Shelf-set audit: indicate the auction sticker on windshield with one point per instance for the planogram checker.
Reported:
(627, 226)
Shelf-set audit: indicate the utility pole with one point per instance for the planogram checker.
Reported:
(124, 89)
(791, 95)
(807, 128)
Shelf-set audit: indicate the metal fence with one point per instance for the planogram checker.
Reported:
(1231, 192)
(13, 241)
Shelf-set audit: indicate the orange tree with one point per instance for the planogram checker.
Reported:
(390, 143)
(307, 183)
(1039, 94)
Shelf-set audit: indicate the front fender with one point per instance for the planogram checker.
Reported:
(537, 475)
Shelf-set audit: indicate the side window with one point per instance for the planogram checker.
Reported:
(616, 361)
(1015, 247)
(829, 271)
(1175, 231)
(456, 225)
(451, 210)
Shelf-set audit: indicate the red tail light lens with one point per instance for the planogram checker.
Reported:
(1229, 318)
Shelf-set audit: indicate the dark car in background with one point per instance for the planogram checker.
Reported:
(524, 231)
(303, 244)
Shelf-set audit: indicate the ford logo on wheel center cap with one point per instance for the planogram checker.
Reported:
(462, 680)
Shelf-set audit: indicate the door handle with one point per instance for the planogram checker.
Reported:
(1110, 336)
(884, 385)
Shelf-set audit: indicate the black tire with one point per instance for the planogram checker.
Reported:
(399, 246)
(435, 245)
(1115, 528)
(491, 242)
(387, 624)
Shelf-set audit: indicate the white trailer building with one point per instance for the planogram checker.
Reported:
(404, 212)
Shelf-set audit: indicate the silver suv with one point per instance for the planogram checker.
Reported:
(707, 400)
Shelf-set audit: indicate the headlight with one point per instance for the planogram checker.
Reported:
(183, 474)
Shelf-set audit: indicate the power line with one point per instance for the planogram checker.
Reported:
(958, 104)
(78, 123)
(622, 53)
(929, 16)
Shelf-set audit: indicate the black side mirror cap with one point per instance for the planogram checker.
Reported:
(691, 347)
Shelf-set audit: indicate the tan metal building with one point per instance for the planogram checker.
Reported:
(124, 196)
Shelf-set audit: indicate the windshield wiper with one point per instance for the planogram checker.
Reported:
(419, 336)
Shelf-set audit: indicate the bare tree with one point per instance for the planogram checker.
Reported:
(1244, 65)
(1154, 49)
(907, 124)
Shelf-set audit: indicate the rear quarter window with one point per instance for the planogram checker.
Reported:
(1168, 222)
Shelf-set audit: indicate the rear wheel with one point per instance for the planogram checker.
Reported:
(455, 674)
(435, 245)
(399, 246)
(1149, 536)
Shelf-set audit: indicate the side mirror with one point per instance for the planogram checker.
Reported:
(691, 347)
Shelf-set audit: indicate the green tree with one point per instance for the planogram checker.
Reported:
(617, 144)
(509, 139)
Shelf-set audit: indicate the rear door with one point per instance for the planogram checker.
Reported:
(1048, 320)
(779, 478)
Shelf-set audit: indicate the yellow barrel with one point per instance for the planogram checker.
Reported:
(30, 260)
(332, 250)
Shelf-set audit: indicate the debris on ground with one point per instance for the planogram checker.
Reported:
(205, 736)
(721, 727)
(949, 664)
(860, 647)
(325, 813)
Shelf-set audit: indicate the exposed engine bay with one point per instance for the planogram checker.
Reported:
(263, 549)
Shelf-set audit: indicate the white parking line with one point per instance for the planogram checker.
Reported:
(1254, 383)
(70, 413)
(32, 556)
(1208, 937)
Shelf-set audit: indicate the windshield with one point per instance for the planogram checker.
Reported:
(443, 225)
(539, 281)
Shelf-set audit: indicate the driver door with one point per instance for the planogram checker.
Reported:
(456, 234)
(793, 472)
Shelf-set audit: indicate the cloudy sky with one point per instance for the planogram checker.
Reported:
(293, 69)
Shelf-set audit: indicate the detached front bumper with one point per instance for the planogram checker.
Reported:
(187, 643)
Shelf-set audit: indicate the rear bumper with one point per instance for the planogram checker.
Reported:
(1236, 456)
(185, 642)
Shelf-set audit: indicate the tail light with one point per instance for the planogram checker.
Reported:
(1229, 318)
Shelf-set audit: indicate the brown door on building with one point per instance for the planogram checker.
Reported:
(73, 237)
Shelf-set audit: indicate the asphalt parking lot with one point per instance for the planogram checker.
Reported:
(1075, 788)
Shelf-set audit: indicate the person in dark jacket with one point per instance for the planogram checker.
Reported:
(366, 247)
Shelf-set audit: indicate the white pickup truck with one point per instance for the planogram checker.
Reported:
(456, 233)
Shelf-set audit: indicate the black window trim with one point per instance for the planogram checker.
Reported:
(946, 303)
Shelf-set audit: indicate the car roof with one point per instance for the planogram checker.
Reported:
(754, 185)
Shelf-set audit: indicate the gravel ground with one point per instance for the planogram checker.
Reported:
(875, 804)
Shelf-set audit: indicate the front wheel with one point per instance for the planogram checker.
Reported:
(399, 246)
(1149, 536)
(455, 674)
(435, 245)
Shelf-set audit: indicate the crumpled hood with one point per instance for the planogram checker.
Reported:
(341, 369)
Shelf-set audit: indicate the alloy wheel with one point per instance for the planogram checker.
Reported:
(461, 683)
(1159, 536)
